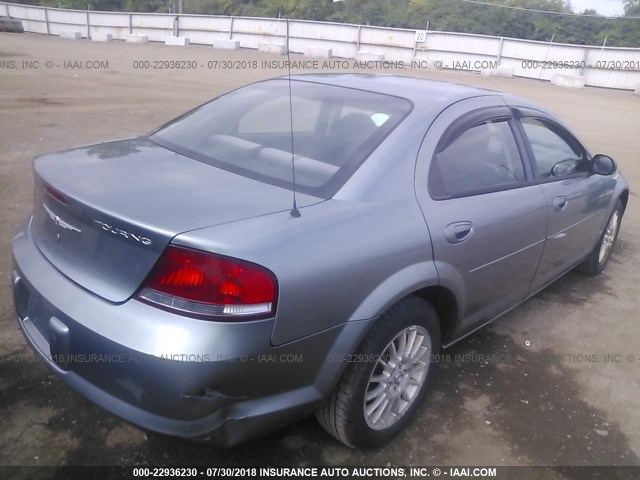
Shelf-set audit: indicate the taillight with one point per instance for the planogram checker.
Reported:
(202, 284)
(56, 195)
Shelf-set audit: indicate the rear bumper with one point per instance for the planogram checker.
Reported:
(174, 375)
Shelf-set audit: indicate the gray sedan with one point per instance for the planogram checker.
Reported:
(302, 245)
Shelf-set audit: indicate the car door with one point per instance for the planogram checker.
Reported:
(486, 219)
(576, 199)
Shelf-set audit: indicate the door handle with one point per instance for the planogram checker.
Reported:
(559, 203)
(458, 232)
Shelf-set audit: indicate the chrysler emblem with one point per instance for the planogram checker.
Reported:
(59, 222)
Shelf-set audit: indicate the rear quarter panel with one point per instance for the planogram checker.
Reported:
(340, 261)
(345, 259)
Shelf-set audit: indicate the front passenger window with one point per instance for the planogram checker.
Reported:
(554, 156)
(482, 158)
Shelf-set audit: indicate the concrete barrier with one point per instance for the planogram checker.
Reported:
(70, 34)
(341, 37)
(318, 52)
(571, 81)
(271, 48)
(133, 38)
(9, 24)
(368, 56)
(432, 63)
(419, 62)
(227, 44)
(102, 37)
(177, 41)
(501, 71)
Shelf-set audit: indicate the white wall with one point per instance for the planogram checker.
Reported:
(603, 67)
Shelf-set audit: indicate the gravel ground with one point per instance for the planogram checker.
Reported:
(549, 407)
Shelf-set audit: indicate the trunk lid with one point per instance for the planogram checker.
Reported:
(125, 201)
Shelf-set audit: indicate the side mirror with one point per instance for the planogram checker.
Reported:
(565, 167)
(603, 164)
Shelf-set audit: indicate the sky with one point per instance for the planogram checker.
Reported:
(603, 7)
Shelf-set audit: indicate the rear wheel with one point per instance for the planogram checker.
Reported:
(598, 259)
(386, 381)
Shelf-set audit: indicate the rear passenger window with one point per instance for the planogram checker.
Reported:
(482, 158)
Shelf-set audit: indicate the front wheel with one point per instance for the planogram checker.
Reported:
(386, 382)
(598, 259)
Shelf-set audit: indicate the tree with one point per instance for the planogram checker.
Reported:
(145, 5)
(632, 8)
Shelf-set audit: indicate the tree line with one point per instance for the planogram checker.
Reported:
(587, 28)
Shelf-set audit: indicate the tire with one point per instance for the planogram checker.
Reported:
(344, 416)
(597, 260)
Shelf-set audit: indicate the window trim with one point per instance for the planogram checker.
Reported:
(466, 122)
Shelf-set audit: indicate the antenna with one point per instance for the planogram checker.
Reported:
(294, 210)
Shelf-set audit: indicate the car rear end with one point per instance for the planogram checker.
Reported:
(166, 337)
(174, 339)
(157, 369)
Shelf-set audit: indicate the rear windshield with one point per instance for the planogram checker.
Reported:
(248, 131)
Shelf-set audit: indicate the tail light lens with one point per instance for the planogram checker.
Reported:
(202, 284)
(56, 194)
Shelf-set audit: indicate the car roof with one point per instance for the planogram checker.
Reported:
(417, 90)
